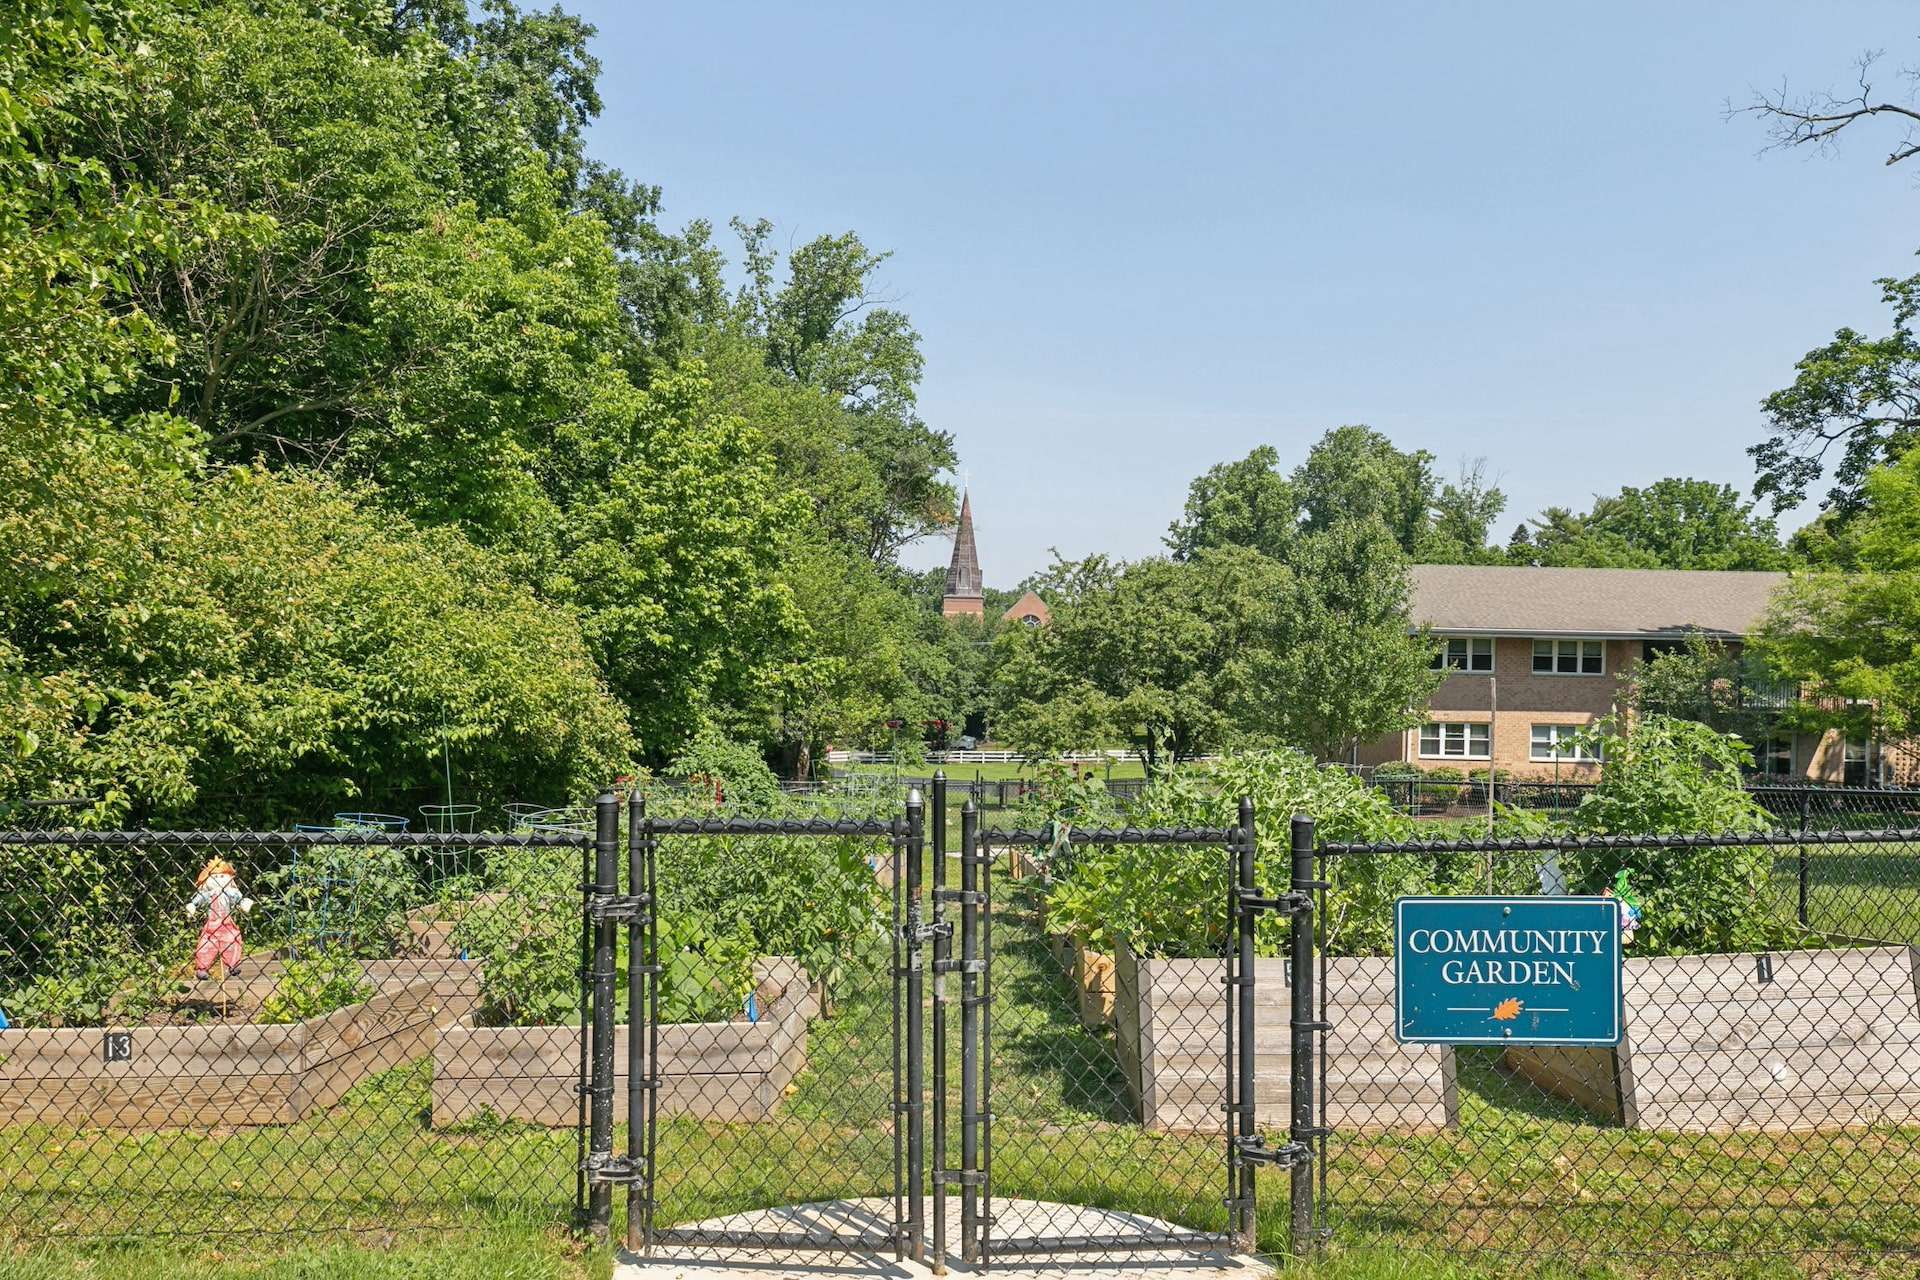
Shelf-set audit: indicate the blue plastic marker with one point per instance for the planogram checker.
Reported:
(753, 1009)
(4, 1024)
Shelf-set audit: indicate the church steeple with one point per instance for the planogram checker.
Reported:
(963, 596)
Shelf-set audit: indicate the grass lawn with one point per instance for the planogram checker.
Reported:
(525, 1254)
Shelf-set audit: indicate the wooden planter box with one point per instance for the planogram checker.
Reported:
(1171, 1025)
(214, 1076)
(1093, 980)
(1793, 1040)
(713, 1070)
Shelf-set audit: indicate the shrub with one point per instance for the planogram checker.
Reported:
(1444, 785)
(736, 769)
(816, 898)
(705, 976)
(1665, 776)
(348, 898)
(97, 974)
(1171, 900)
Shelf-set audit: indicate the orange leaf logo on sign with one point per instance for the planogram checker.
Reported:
(1507, 1010)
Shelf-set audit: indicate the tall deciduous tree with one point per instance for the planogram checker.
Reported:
(1855, 401)
(1228, 647)
(1335, 663)
(1247, 503)
(1670, 524)
(1152, 655)
(1353, 473)
(1853, 637)
(827, 327)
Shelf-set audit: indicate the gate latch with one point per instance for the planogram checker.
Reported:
(612, 1169)
(1288, 1155)
(928, 932)
(1291, 901)
(616, 909)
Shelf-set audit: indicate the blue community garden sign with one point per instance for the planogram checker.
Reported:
(1542, 970)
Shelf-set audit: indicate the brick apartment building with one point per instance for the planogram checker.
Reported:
(1536, 655)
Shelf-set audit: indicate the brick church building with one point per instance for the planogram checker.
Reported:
(966, 595)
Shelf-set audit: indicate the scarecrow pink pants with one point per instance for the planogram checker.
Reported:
(219, 940)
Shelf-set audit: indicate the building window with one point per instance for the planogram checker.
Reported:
(1569, 657)
(1854, 764)
(1562, 742)
(1466, 741)
(1776, 756)
(1464, 653)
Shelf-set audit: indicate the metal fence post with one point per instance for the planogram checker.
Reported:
(916, 1030)
(641, 1188)
(1301, 1129)
(969, 1035)
(1806, 818)
(942, 950)
(1240, 1126)
(606, 871)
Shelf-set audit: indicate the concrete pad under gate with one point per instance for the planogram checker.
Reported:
(872, 1216)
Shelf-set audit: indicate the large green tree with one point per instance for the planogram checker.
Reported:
(1353, 473)
(827, 326)
(1246, 503)
(1227, 647)
(1674, 523)
(1335, 663)
(365, 249)
(1854, 403)
(1152, 655)
(1851, 636)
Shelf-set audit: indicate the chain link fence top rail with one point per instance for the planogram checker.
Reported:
(1763, 1102)
(247, 1033)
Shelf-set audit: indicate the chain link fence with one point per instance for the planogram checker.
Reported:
(254, 1033)
(863, 1024)
(1764, 1101)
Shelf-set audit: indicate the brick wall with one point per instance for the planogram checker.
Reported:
(1524, 699)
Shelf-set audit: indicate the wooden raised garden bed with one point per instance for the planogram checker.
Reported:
(1171, 1029)
(215, 1074)
(713, 1070)
(1093, 981)
(1721, 1043)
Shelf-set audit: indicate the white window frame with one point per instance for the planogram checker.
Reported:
(1557, 648)
(1445, 736)
(1765, 757)
(1473, 650)
(1554, 752)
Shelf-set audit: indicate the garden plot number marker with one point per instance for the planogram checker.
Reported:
(1539, 970)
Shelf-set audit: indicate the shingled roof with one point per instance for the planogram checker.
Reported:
(963, 573)
(1510, 601)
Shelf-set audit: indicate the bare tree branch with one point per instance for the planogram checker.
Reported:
(1816, 119)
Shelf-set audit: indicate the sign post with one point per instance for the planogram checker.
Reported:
(1521, 970)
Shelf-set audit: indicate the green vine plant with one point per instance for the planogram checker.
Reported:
(313, 986)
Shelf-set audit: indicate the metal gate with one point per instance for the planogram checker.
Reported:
(1054, 1107)
(1055, 1118)
(721, 1119)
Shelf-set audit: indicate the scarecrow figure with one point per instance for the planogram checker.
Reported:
(220, 897)
(1629, 907)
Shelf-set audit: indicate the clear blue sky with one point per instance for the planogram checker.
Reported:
(1139, 239)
